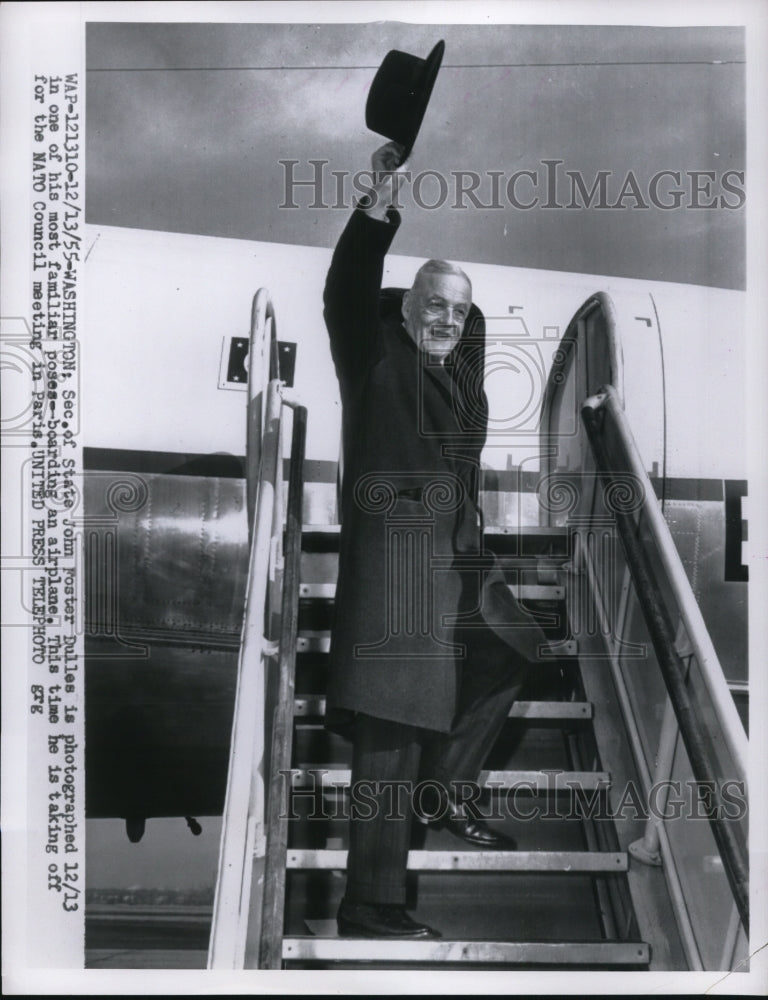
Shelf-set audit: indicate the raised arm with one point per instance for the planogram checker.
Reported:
(354, 280)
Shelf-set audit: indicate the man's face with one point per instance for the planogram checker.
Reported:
(435, 310)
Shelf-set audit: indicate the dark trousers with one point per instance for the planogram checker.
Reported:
(389, 759)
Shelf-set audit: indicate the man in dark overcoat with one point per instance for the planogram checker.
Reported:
(417, 678)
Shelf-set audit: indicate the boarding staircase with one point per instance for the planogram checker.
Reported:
(593, 882)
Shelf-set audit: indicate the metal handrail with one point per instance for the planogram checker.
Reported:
(242, 831)
(262, 342)
(242, 852)
(271, 937)
(709, 663)
(673, 671)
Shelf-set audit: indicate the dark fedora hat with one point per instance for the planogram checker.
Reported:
(400, 93)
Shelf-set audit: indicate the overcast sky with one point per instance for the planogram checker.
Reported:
(187, 125)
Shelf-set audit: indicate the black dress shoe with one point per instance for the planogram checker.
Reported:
(381, 920)
(461, 824)
(445, 813)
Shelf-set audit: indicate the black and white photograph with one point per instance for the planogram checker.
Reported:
(384, 487)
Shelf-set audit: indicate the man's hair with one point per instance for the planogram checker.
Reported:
(440, 267)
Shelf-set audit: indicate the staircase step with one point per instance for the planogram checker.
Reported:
(557, 710)
(313, 642)
(320, 538)
(477, 861)
(539, 781)
(593, 953)
(537, 591)
(529, 546)
(564, 710)
(317, 591)
(523, 592)
(320, 642)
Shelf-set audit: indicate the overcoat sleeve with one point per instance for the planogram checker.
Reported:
(352, 291)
